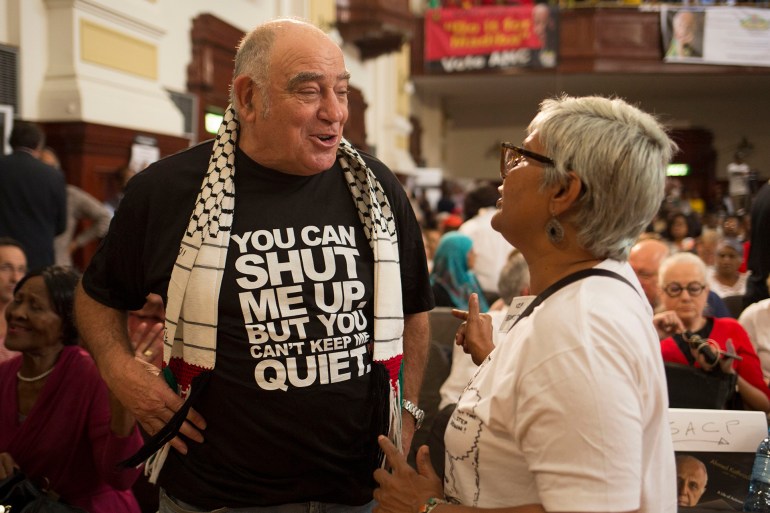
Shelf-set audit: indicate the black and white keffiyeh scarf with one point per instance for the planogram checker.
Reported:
(190, 338)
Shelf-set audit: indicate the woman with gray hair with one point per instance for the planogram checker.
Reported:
(684, 286)
(569, 411)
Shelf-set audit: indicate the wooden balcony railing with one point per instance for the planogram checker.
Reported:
(602, 40)
(376, 27)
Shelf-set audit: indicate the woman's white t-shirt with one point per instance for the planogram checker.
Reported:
(570, 410)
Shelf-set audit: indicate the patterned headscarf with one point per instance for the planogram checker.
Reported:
(450, 270)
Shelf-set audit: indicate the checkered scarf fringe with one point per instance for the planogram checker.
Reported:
(193, 293)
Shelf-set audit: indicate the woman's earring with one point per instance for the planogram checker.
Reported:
(555, 231)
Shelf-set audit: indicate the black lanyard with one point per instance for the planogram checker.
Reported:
(572, 278)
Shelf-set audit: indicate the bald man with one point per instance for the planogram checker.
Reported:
(691, 479)
(645, 258)
(273, 298)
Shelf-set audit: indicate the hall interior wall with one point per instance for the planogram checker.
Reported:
(464, 116)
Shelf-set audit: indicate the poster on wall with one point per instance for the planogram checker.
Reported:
(491, 38)
(144, 151)
(716, 35)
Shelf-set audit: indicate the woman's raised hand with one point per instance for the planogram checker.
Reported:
(475, 334)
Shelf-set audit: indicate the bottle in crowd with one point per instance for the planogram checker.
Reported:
(758, 499)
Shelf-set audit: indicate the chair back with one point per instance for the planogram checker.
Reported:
(691, 387)
(443, 326)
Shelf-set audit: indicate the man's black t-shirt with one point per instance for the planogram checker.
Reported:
(289, 404)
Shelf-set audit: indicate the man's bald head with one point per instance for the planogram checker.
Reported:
(692, 478)
(645, 258)
(254, 55)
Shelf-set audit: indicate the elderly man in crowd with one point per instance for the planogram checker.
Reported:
(290, 303)
(13, 267)
(645, 259)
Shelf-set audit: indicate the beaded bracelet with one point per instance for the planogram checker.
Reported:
(430, 504)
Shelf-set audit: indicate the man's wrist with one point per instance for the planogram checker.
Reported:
(414, 411)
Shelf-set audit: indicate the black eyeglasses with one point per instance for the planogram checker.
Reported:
(511, 156)
(693, 288)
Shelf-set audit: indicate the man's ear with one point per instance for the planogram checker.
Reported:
(564, 196)
(244, 93)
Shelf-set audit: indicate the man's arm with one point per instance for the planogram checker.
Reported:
(416, 329)
(143, 393)
(92, 209)
(60, 201)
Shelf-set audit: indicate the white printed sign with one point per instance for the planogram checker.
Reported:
(716, 430)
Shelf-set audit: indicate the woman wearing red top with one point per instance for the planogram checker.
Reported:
(58, 423)
(683, 281)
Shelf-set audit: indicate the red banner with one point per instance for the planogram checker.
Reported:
(511, 31)
(477, 31)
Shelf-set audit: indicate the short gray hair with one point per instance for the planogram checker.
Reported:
(514, 276)
(620, 154)
(253, 59)
(682, 258)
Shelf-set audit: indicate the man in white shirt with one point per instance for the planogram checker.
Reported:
(490, 247)
(755, 319)
(738, 183)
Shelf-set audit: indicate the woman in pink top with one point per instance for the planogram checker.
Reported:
(58, 422)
